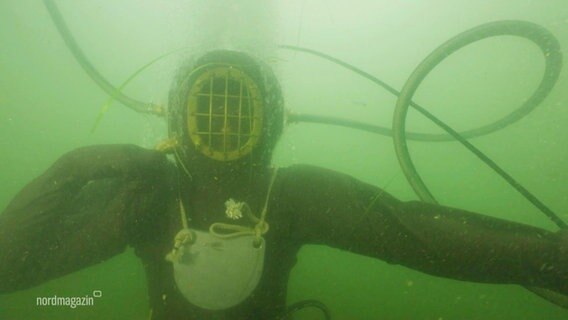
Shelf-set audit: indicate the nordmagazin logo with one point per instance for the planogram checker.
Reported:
(71, 302)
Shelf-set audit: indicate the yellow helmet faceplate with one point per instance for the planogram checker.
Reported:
(224, 113)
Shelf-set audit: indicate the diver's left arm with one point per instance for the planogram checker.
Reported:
(333, 209)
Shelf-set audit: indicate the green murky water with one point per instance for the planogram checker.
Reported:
(48, 105)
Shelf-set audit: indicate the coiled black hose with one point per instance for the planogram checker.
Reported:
(553, 64)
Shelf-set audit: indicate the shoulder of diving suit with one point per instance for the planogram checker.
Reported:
(93, 177)
(138, 181)
(82, 167)
(306, 175)
(100, 171)
(320, 187)
(103, 161)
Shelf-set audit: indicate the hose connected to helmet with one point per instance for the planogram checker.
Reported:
(539, 35)
(553, 63)
(103, 83)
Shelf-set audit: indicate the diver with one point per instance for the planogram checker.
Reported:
(217, 228)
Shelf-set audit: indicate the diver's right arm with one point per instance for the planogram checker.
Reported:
(81, 211)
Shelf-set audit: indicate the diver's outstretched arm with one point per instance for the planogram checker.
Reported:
(334, 209)
(78, 213)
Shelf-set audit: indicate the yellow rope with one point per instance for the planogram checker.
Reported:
(183, 237)
(182, 164)
(183, 214)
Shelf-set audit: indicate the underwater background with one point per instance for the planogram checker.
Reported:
(48, 106)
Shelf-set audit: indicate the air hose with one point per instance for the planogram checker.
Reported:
(548, 44)
(540, 36)
(553, 64)
(103, 83)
